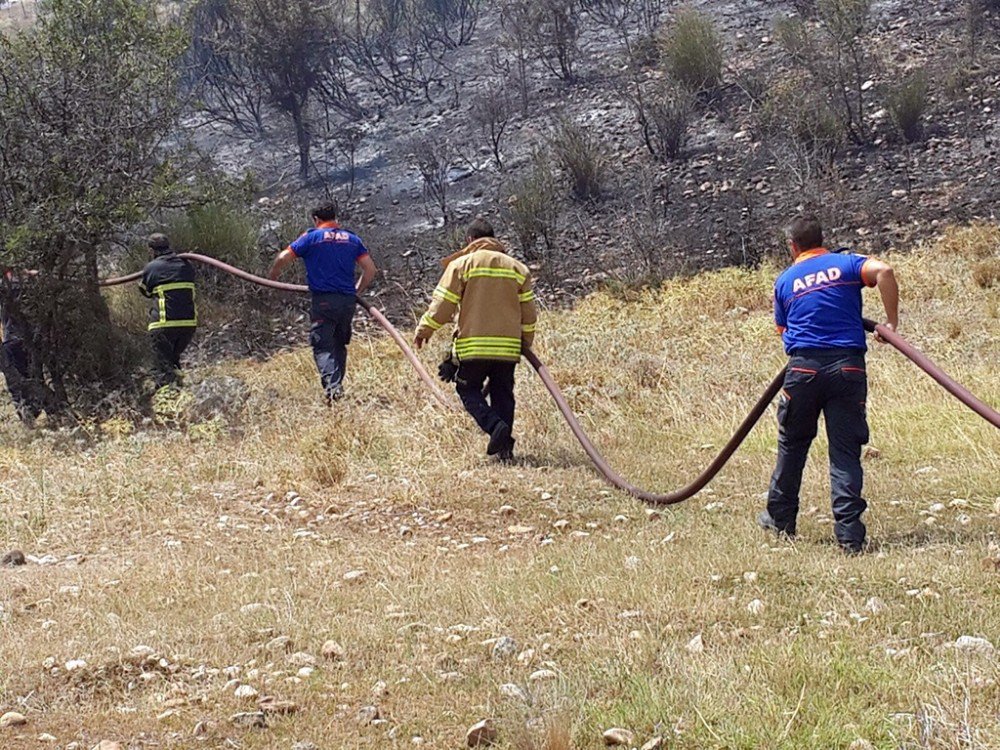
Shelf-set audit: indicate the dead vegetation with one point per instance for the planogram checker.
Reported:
(365, 577)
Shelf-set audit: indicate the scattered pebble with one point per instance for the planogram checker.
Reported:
(333, 651)
(617, 736)
(368, 714)
(354, 575)
(481, 734)
(520, 530)
(973, 643)
(13, 559)
(271, 705)
(252, 719)
(107, 745)
(542, 675)
(656, 743)
(504, 648)
(755, 607)
(243, 692)
(12, 719)
(696, 645)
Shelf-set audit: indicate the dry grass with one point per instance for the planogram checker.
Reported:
(18, 15)
(191, 545)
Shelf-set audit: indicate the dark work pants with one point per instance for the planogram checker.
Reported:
(332, 315)
(17, 373)
(168, 346)
(482, 379)
(836, 385)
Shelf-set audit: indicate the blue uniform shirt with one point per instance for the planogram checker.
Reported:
(329, 253)
(817, 301)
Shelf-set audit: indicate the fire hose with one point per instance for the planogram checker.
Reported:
(602, 466)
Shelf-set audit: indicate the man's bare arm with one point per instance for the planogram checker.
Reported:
(885, 282)
(285, 257)
(368, 273)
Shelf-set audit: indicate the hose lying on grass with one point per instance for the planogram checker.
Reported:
(602, 466)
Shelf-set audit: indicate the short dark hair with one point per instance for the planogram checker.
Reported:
(158, 243)
(325, 211)
(806, 232)
(480, 228)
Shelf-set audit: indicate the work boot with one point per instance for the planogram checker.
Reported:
(852, 549)
(499, 438)
(506, 454)
(767, 523)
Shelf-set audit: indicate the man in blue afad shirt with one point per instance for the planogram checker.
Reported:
(817, 308)
(330, 254)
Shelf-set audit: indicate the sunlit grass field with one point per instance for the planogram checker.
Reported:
(182, 574)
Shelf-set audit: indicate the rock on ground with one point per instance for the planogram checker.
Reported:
(481, 734)
(972, 643)
(12, 719)
(12, 559)
(617, 736)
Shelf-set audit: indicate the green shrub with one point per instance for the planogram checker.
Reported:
(692, 49)
(799, 109)
(668, 113)
(533, 207)
(221, 230)
(907, 103)
(582, 157)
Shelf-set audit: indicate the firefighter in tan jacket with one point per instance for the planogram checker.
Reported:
(496, 318)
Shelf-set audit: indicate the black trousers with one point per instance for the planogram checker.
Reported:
(486, 388)
(168, 346)
(332, 315)
(17, 372)
(835, 384)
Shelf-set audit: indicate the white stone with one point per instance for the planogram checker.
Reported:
(617, 736)
(542, 675)
(13, 719)
(245, 692)
(973, 643)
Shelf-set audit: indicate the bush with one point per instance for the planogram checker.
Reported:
(836, 56)
(799, 109)
(693, 51)
(533, 207)
(986, 273)
(220, 230)
(668, 114)
(907, 102)
(583, 159)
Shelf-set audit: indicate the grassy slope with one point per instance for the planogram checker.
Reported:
(183, 528)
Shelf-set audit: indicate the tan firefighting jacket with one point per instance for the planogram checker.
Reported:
(495, 302)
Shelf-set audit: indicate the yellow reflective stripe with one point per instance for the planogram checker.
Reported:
(488, 340)
(193, 323)
(488, 345)
(442, 293)
(526, 296)
(161, 302)
(174, 286)
(496, 273)
(528, 327)
(428, 321)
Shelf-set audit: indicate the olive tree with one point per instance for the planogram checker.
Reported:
(87, 103)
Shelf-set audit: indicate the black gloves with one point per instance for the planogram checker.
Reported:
(448, 370)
